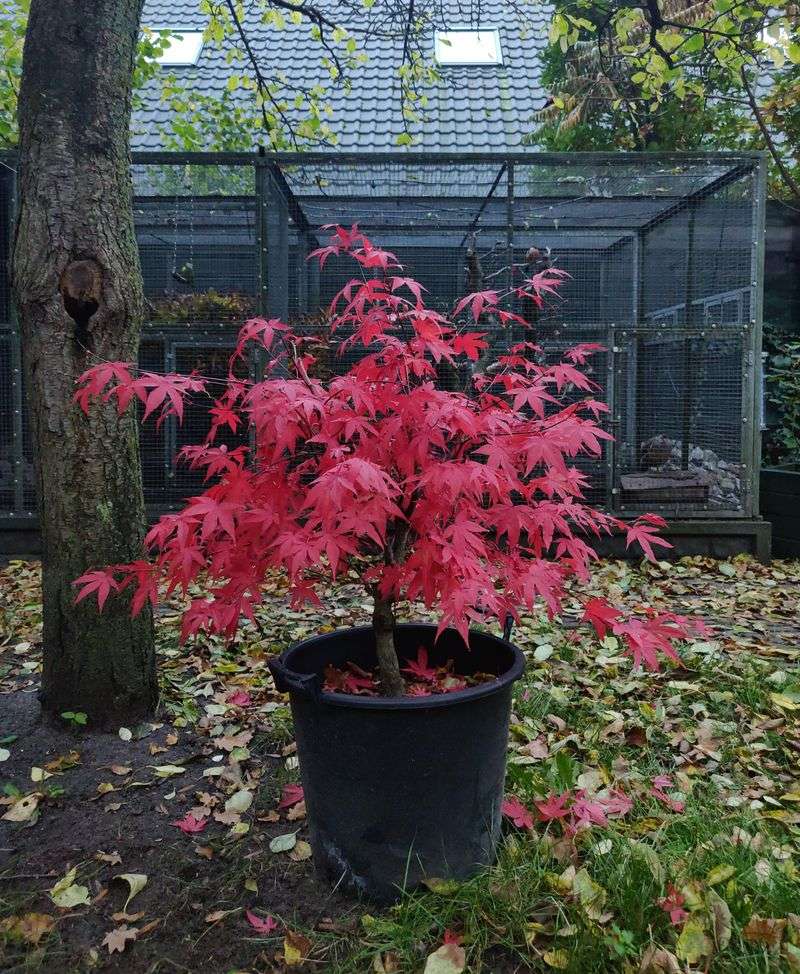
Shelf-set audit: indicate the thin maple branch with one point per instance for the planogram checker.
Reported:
(787, 177)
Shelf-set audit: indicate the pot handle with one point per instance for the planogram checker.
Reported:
(287, 680)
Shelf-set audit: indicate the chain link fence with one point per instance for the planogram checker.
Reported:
(665, 261)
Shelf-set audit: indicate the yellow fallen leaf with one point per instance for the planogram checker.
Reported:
(295, 948)
(559, 959)
(66, 893)
(719, 874)
(301, 851)
(785, 703)
(167, 770)
(136, 882)
(693, 943)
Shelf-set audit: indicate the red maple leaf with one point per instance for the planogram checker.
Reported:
(514, 810)
(672, 904)
(601, 615)
(189, 825)
(419, 667)
(291, 795)
(265, 926)
(554, 806)
(101, 582)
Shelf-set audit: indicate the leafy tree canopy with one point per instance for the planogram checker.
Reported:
(677, 74)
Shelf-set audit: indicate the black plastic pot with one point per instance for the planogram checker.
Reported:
(405, 788)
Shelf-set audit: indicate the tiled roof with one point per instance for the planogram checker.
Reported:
(474, 108)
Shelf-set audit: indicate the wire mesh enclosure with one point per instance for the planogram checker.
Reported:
(664, 256)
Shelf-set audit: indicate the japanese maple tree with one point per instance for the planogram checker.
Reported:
(469, 501)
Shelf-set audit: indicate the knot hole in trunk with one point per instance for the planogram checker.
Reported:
(80, 286)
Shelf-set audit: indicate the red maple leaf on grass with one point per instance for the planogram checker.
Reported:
(672, 904)
(514, 810)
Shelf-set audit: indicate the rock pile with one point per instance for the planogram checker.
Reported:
(725, 484)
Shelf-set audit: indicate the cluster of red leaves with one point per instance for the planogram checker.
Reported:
(469, 501)
(422, 680)
(574, 809)
(672, 904)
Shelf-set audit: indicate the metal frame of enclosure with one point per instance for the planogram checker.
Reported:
(664, 253)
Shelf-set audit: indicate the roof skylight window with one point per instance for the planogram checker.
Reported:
(184, 47)
(468, 46)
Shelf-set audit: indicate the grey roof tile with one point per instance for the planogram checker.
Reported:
(473, 109)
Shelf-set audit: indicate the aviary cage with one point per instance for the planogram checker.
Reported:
(664, 253)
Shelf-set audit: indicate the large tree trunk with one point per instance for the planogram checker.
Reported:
(79, 293)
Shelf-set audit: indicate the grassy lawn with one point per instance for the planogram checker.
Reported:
(700, 874)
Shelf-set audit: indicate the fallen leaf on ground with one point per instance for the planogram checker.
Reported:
(23, 809)
(66, 893)
(764, 930)
(265, 926)
(292, 794)
(447, 959)
(189, 824)
(283, 843)
(302, 850)
(240, 802)
(136, 882)
(31, 927)
(295, 948)
(117, 939)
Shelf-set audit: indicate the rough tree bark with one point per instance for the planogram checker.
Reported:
(78, 289)
(392, 683)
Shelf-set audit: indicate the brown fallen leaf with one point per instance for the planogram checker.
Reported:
(121, 769)
(112, 858)
(205, 851)
(386, 963)
(171, 739)
(216, 915)
(117, 939)
(764, 930)
(24, 809)
(31, 927)
(296, 812)
(657, 960)
(123, 917)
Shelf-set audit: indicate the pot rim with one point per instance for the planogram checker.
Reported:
(309, 684)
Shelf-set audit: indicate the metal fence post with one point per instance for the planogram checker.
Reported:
(689, 316)
(510, 223)
(612, 491)
(751, 340)
(17, 374)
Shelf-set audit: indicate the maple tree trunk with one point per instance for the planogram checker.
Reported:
(392, 683)
(78, 290)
